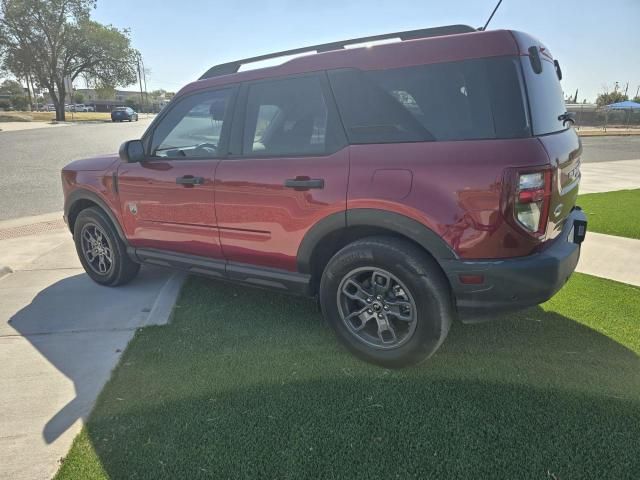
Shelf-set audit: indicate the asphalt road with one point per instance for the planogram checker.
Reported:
(31, 160)
(607, 149)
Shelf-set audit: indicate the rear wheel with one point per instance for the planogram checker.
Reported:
(387, 300)
(101, 251)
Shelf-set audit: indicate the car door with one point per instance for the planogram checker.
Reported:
(167, 200)
(287, 169)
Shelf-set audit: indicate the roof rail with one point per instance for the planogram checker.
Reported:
(233, 67)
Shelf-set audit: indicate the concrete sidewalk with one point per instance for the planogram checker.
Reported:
(60, 336)
(17, 126)
(610, 176)
(615, 258)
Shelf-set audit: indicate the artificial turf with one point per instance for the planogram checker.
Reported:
(613, 213)
(249, 384)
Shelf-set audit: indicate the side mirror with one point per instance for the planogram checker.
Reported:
(132, 151)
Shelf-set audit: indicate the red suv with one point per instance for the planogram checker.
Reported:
(404, 184)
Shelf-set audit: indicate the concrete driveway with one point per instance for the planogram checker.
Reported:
(60, 336)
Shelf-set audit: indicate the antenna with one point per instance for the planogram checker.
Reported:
(491, 16)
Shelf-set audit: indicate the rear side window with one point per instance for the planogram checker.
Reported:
(545, 96)
(288, 117)
(472, 99)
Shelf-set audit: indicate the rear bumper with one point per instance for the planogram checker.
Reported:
(510, 284)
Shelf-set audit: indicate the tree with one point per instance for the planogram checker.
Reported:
(17, 98)
(105, 92)
(56, 41)
(11, 87)
(636, 99)
(608, 98)
(78, 97)
(19, 102)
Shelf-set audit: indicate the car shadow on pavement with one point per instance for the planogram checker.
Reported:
(264, 391)
(80, 328)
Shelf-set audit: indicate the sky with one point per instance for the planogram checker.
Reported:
(596, 42)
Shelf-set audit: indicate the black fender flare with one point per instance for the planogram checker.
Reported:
(370, 217)
(83, 194)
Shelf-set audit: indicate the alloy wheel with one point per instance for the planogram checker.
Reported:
(377, 308)
(97, 249)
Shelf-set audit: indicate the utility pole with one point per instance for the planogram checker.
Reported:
(144, 76)
(138, 59)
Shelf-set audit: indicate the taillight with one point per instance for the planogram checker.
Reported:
(533, 197)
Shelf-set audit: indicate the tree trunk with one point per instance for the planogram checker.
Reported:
(62, 94)
(33, 89)
(58, 104)
(26, 77)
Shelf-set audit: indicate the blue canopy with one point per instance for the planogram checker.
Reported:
(628, 105)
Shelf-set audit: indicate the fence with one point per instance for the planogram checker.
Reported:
(589, 115)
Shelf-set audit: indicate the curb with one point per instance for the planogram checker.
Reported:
(162, 309)
(4, 271)
(30, 220)
(608, 134)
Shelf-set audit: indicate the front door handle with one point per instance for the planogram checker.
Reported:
(304, 183)
(189, 180)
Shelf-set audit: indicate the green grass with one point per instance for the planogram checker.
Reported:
(50, 116)
(614, 213)
(249, 384)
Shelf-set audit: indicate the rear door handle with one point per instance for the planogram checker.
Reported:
(304, 183)
(189, 180)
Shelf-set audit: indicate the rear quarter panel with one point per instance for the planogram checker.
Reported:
(454, 188)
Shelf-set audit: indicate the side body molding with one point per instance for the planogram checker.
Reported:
(373, 218)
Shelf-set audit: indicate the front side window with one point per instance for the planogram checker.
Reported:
(193, 127)
(466, 100)
(286, 117)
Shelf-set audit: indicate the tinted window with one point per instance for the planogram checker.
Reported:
(545, 97)
(287, 117)
(473, 99)
(193, 127)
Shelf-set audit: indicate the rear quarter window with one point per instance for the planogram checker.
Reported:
(546, 98)
(472, 99)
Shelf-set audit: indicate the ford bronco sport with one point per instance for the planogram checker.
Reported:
(403, 184)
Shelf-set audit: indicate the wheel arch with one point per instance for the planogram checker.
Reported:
(335, 231)
(80, 200)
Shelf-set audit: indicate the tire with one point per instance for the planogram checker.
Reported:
(94, 223)
(417, 289)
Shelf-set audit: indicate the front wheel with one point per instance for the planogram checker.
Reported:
(387, 300)
(101, 251)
